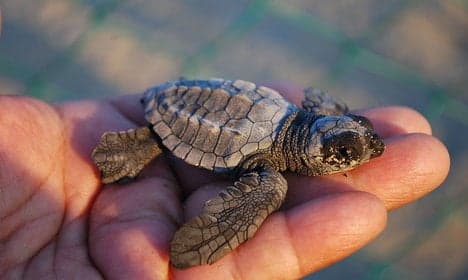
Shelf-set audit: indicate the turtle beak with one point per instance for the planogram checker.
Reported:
(376, 144)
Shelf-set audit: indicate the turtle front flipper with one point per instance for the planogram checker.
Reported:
(124, 154)
(229, 219)
(320, 102)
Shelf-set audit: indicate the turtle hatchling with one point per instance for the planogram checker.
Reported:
(248, 132)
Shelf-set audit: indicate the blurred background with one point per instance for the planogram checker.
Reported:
(369, 52)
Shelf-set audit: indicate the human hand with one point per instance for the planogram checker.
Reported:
(56, 221)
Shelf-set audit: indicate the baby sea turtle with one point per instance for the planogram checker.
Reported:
(247, 131)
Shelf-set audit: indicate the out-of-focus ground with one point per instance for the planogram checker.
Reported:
(369, 52)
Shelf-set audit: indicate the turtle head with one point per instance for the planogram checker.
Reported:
(340, 143)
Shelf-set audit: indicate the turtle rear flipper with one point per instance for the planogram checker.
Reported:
(124, 154)
(229, 219)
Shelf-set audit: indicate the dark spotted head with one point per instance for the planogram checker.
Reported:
(340, 143)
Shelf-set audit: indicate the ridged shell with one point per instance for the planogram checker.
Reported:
(215, 123)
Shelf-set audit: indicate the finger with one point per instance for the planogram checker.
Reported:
(129, 105)
(301, 240)
(79, 115)
(411, 166)
(82, 180)
(130, 229)
(396, 120)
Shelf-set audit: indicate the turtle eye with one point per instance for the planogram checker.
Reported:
(362, 121)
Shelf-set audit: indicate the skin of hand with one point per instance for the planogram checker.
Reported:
(57, 221)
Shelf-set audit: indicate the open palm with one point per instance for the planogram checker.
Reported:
(57, 221)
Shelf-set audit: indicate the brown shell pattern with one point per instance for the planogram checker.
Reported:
(215, 123)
